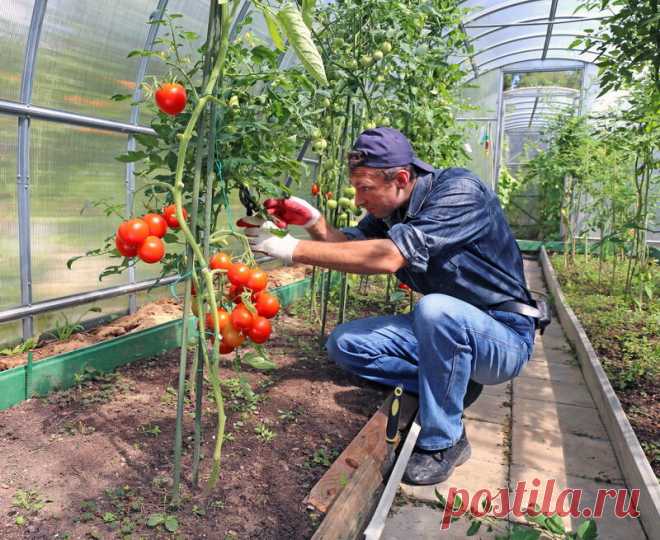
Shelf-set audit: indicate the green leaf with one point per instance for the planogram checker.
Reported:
(258, 361)
(308, 12)
(155, 520)
(300, 39)
(171, 524)
(474, 527)
(555, 524)
(20, 520)
(273, 28)
(131, 156)
(442, 502)
(587, 530)
(120, 97)
(519, 533)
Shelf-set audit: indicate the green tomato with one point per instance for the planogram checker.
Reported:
(366, 60)
(326, 102)
(386, 47)
(338, 43)
(380, 78)
(332, 204)
(352, 64)
(344, 215)
(385, 122)
(349, 191)
(319, 145)
(317, 134)
(370, 125)
(378, 56)
(233, 102)
(357, 211)
(344, 202)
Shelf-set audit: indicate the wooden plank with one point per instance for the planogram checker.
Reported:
(370, 442)
(354, 505)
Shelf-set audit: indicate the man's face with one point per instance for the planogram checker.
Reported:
(378, 196)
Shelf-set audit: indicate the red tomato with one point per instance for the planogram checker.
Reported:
(238, 274)
(315, 189)
(151, 250)
(234, 293)
(267, 305)
(241, 318)
(133, 231)
(225, 347)
(404, 287)
(156, 223)
(169, 213)
(328, 195)
(257, 280)
(125, 249)
(223, 320)
(260, 331)
(171, 98)
(220, 261)
(231, 336)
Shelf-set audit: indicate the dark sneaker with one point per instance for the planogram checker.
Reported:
(427, 467)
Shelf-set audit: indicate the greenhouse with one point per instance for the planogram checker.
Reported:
(329, 269)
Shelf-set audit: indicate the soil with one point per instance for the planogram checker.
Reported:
(146, 316)
(96, 461)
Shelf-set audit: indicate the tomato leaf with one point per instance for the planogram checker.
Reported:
(587, 530)
(300, 39)
(474, 527)
(308, 12)
(258, 361)
(155, 520)
(131, 156)
(171, 524)
(273, 28)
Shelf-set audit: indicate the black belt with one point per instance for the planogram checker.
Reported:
(518, 307)
(540, 312)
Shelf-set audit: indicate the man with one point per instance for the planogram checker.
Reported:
(443, 233)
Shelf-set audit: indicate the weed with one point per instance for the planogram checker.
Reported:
(322, 457)
(288, 416)
(264, 433)
(65, 328)
(22, 347)
(29, 500)
(240, 396)
(150, 430)
(170, 523)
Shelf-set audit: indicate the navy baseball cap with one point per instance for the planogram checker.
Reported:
(385, 147)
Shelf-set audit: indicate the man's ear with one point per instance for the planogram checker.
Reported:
(402, 179)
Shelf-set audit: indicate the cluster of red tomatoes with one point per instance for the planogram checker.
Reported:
(142, 236)
(242, 322)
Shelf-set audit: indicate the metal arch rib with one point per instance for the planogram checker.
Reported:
(536, 49)
(496, 9)
(521, 38)
(23, 161)
(548, 37)
(129, 180)
(536, 21)
(558, 58)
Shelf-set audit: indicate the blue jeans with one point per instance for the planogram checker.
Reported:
(434, 351)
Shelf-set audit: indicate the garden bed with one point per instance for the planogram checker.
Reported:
(97, 459)
(147, 316)
(626, 339)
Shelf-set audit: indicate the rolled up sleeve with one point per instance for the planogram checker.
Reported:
(413, 245)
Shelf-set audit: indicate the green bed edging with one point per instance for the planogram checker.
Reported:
(59, 372)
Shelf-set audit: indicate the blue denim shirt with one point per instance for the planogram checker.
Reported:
(456, 241)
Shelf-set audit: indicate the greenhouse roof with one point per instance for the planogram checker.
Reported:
(504, 33)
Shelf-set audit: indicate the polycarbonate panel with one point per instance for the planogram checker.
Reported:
(10, 334)
(10, 292)
(518, 10)
(482, 94)
(15, 16)
(70, 168)
(483, 58)
(481, 156)
(82, 55)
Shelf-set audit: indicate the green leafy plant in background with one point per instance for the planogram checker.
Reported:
(22, 347)
(65, 327)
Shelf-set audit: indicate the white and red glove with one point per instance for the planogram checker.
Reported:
(292, 211)
(262, 239)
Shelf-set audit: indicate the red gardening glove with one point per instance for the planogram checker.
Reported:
(292, 211)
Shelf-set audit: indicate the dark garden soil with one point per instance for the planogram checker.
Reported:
(627, 341)
(96, 461)
(148, 315)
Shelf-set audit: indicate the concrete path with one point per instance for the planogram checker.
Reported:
(540, 427)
